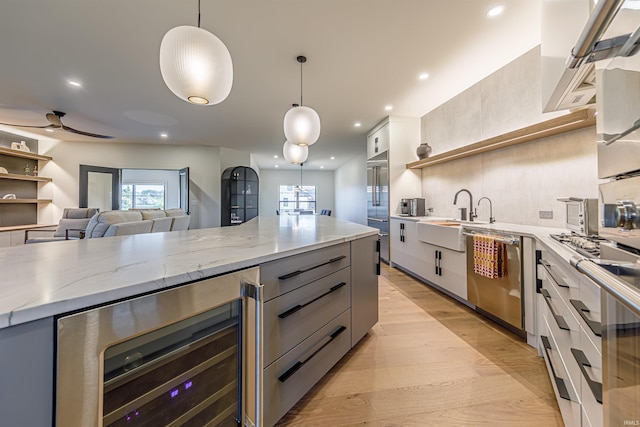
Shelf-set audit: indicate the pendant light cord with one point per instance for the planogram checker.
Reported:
(301, 89)
(198, 13)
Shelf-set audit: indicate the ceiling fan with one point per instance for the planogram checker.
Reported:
(55, 122)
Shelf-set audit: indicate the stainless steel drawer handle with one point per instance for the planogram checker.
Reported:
(594, 325)
(298, 272)
(562, 324)
(562, 388)
(596, 387)
(551, 270)
(301, 306)
(300, 363)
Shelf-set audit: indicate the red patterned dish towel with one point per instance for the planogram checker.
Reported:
(488, 256)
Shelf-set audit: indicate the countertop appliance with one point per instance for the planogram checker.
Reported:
(416, 207)
(581, 215)
(378, 200)
(498, 298)
(183, 356)
(405, 207)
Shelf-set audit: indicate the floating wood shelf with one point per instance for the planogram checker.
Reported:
(24, 154)
(24, 177)
(569, 122)
(24, 201)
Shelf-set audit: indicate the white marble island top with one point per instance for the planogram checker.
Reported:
(45, 279)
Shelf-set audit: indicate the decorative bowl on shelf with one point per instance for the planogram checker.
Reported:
(423, 150)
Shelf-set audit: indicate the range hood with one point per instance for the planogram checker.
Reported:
(570, 83)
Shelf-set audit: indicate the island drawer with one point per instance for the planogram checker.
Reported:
(285, 275)
(294, 316)
(291, 376)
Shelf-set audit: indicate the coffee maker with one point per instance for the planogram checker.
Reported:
(405, 207)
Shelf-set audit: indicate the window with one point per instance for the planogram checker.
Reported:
(143, 196)
(294, 198)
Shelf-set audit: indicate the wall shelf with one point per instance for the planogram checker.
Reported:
(24, 177)
(24, 154)
(23, 201)
(25, 227)
(558, 125)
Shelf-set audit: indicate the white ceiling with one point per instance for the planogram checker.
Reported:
(362, 55)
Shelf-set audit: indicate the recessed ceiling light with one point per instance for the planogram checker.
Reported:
(357, 124)
(423, 76)
(495, 11)
(333, 158)
(388, 107)
(74, 83)
(275, 156)
(164, 135)
(49, 130)
(277, 166)
(321, 167)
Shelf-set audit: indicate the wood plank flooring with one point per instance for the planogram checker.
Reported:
(431, 361)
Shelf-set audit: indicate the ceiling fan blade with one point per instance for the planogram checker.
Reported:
(79, 132)
(28, 126)
(54, 120)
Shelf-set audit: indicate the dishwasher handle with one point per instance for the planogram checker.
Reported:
(508, 240)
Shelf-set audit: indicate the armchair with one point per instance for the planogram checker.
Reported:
(71, 226)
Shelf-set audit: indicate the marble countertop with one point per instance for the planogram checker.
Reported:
(45, 279)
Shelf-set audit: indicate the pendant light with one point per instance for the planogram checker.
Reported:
(301, 124)
(295, 154)
(195, 65)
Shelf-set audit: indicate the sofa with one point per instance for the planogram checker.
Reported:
(136, 221)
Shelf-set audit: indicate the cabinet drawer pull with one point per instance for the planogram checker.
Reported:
(551, 270)
(562, 324)
(322, 264)
(300, 307)
(596, 387)
(562, 388)
(594, 325)
(300, 363)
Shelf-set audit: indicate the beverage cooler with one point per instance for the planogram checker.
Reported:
(184, 356)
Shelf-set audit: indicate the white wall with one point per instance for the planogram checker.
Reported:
(351, 190)
(271, 179)
(203, 163)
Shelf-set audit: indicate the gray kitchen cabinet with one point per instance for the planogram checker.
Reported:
(364, 286)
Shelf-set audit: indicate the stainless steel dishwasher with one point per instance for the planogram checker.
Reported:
(501, 298)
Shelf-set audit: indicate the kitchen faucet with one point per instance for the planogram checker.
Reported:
(463, 214)
(491, 218)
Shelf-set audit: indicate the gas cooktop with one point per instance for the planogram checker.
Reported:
(588, 246)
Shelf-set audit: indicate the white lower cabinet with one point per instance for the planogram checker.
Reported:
(568, 306)
(447, 269)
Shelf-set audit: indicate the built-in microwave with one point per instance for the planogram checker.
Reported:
(581, 215)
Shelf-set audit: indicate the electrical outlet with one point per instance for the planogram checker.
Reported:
(546, 214)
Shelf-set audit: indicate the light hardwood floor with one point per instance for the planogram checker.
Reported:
(431, 361)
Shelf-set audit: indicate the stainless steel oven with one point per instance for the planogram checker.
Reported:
(183, 356)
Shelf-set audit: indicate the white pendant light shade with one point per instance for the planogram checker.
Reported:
(302, 126)
(295, 154)
(195, 65)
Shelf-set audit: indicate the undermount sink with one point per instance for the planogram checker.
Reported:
(447, 234)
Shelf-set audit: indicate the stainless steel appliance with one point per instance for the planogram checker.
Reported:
(378, 200)
(499, 298)
(184, 356)
(416, 207)
(610, 40)
(581, 215)
(405, 206)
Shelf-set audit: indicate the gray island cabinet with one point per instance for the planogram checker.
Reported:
(319, 298)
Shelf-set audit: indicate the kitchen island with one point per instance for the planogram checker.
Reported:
(43, 281)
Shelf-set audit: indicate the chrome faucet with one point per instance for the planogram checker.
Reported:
(491, 218)
(463, 214)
